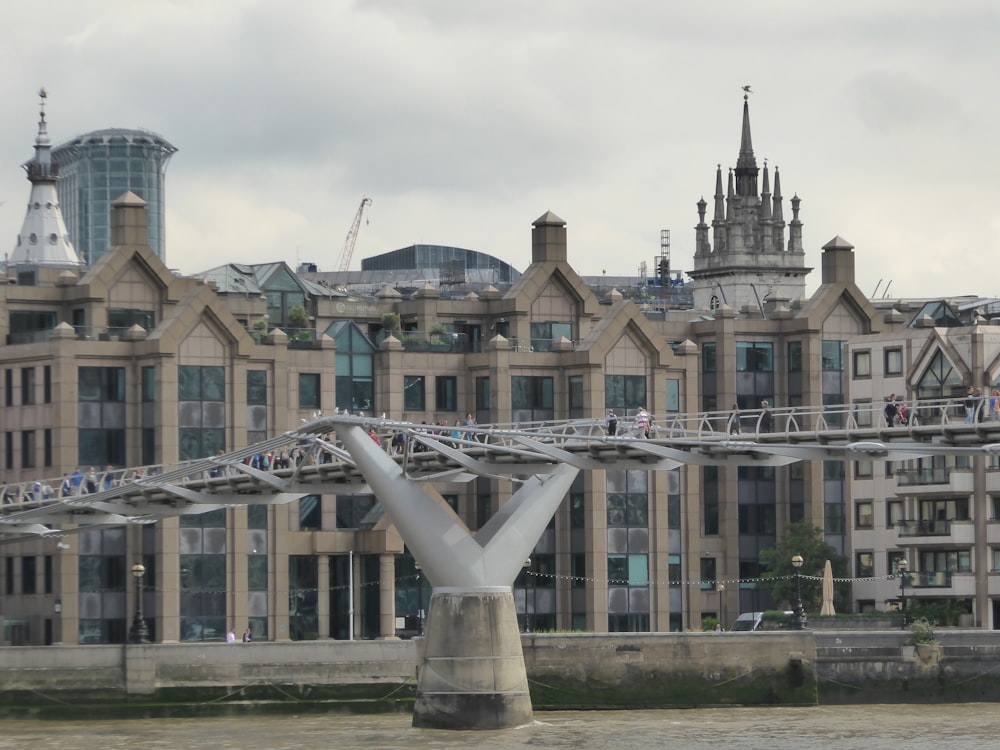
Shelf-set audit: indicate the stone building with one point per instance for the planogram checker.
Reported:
(123, 364)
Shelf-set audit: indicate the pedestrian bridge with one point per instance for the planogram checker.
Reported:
(321, 463)
(471, 673)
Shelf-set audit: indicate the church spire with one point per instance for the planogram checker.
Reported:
(43, 238)
(746, 164)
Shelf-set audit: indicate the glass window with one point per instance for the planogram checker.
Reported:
(864, 565)
(673, 402)
(257, 387)
(483, 394)
(862, 364)
(833, 356)
(893, 361)
(708, 356)
(309, 390)
(624, 392)
(795, 356)
(754, 356)
(414, 393)
(446, 393)
(863, 514)
(708, 574)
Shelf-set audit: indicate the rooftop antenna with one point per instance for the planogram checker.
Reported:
(886, 292)
(875, 293)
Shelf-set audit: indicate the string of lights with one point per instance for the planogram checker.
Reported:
(416, 578)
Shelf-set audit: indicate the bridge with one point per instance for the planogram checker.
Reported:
(471, 673)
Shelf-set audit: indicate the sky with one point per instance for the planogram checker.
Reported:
(464, 121)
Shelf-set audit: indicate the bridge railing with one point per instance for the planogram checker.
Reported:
(318, 447)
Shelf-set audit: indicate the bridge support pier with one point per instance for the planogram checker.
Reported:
(471, 671)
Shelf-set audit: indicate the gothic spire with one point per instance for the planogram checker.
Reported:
(746, 164)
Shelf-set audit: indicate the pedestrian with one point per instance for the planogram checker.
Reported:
(970, 405)
(734, 426)
(231, 636)
(611, 423)
(766, 423)
(66, 488)
(642, 422)
(980, 413)
(247, 635)
(470, 421)
(891, 411)
(76, 479)
(91, 481)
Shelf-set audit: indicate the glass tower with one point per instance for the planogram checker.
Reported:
(98, 168)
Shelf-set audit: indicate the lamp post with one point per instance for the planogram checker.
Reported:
(799, 617)
(901, 566)
(721, 588)
(138, 633)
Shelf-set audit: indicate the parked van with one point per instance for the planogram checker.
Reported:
(751, 621)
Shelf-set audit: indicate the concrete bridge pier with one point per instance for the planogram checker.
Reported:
(470, 672)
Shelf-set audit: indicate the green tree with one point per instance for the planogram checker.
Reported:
(298, 317)
(806, 540)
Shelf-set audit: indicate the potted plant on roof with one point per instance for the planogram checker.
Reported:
(437, 331)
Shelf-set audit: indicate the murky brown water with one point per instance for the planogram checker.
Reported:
(943, 727)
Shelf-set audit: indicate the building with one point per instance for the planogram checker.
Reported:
(98, 167)
(130, 365)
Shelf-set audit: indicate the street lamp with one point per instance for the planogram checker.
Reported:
(721, 588)
(901, 566)
(138, 633)
(799, 617)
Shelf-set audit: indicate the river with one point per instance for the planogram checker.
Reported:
(880, 727)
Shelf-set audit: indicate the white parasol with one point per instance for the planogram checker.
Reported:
(828, 590)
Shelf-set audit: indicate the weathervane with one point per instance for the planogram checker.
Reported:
(746, 91)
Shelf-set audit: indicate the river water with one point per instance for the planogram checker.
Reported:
(881, 727)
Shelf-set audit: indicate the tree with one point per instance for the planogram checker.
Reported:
(298, 317)
(806, 540)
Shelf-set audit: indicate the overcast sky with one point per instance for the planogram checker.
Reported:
(465, 121)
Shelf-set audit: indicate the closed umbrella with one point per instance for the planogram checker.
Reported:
(828, 590)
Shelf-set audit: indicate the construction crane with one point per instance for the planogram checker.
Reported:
(352, 236)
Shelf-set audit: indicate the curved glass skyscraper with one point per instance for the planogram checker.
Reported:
(95, 169)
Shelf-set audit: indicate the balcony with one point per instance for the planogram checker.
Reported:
(934, 579)
(422, 341)
(922, 476)
(940, 531)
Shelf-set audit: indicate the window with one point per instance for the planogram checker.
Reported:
(101, 410)
(29, 575)
(256, 406)
(707, 576)
(940, 379)
(864, 565)
(543, 334)
(673, 402)
(833, 518)
(257, 387)
(833, 356)
(203, 576)
(710, 499)
(414, 393)
(754, 357)
(864, 517)
(574, 386)
(201, 408)
(446, 393)
(351, 509)
(795, 356)
(120, 321)
(303, 597)
(8, 376)
(27, 385)
(893, 361)
(355, 367)
(28, 449)
(47, 384)
(708, 357)
(309, 390)
(893, 513)
(148, 384)
(863, 469)
(531, 398)
(310, 513)
(624, 392)
(862, 364)
(483, 394)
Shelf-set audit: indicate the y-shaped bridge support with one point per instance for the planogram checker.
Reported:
(471, 670)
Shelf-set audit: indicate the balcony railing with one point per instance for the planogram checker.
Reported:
(923, 476)
(423, 341)
(933, 579)
(924, 528)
